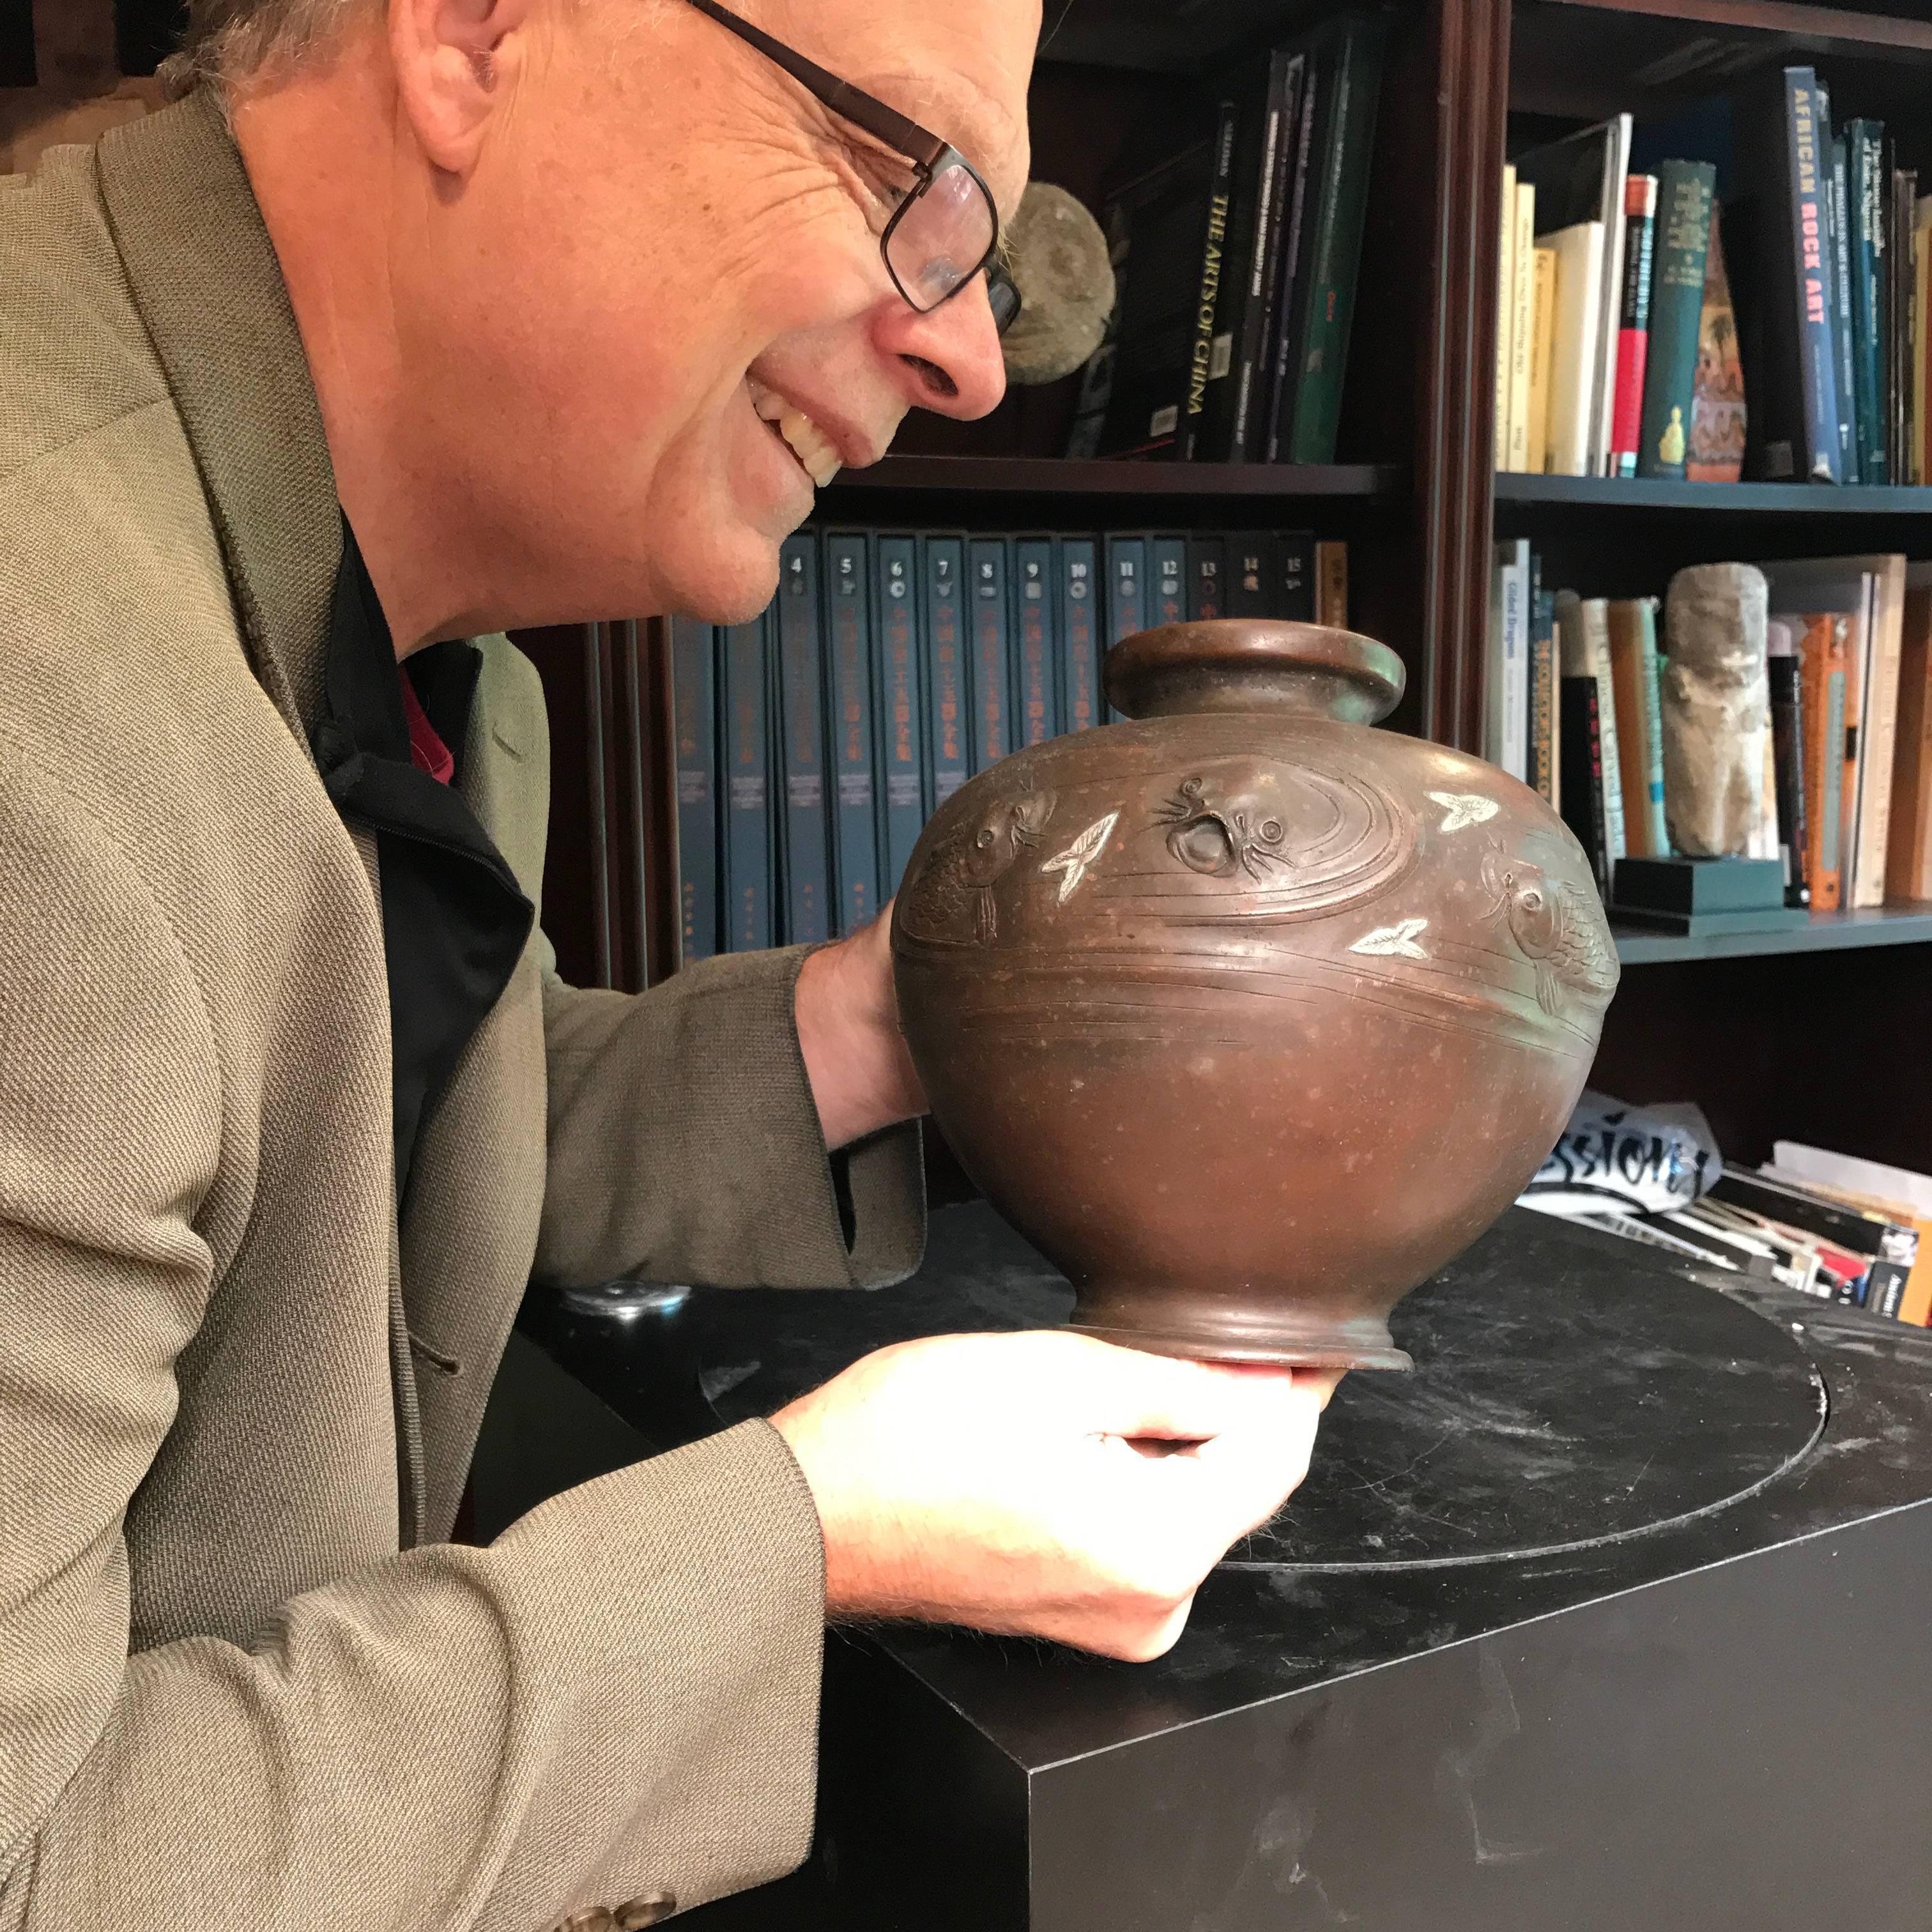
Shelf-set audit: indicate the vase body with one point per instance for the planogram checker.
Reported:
(1250, 1017)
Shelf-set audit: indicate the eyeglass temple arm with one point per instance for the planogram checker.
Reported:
(864, 110)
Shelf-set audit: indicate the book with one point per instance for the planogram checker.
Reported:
(1331, 584)
(1156, 222)
(1869, 268)
(1640, 205)
(1840, 266)
(1782, 669)
(1544, 774)
(1823, 654)
(1918, 337)
(848, 644)
(1779, 282)
(1249, 575)
(1292, 556)
(1579, 180)
(1902, 261)
(989, 606)
(1506, 735)
(1908, 874)
(1580, 265)
(1207, 561)
(1522, 323)
(1082, 702)
(1632, 623)
(1296, 264)
(806, 848)
(1167, 580)
(1895, 1193)
(1206, 359)
(1718, 404)
(1683, 239)
(899, 793)
(948, 736)
(1543, 322)
(1353, 60)
(1582, 774)
(694, 679)
(744, 680)
(1506, 317)
(1126, 558)
(1036, 643)
(1872, 587)
(1887, 1248)
(1583, 635)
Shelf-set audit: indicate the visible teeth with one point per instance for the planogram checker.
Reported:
(814, 449)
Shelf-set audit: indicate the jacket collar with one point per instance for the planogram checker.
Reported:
(204, 276)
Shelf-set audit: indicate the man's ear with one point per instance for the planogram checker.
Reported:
(454, 59)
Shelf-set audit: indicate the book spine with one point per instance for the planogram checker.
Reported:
(693, 674)
(1297, 265)
(1633, 626)
(899, 789)
(1208, 357)
(1908, 864)
(1167, 580)
(1126, 595)
(1810, 220)
(1206, 569)
(1522, 308)
(949, 682)
(1615, 141)
(1293, 597)
(746, 678)
(1898, 324)
(1578, 282)
(1543, 322)
(1543, 682)
(1717, 409)
(1506, 227)
(1338, 246)
(1822, 675)
(1509, 708)
(1841, 312)
(1640, 192)
(1247, 581)
(989, 603)
(855, 829)
(807, 845)
(1682, 243)
(1082, 703)
(1035, 632)
(1596, 629)
(1878, 744)
(1582, 768)
(1869, 268)
(1270, 188)
(1331, 584)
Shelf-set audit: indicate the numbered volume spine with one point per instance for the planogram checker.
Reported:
(1207, 566)
(746, 680)
(694, 672)
(948, 680)
(802, 728)
(1036, 644)
(989, 607)
(1167, 580)
(900, 796)
(1126, 591)
(855, 835)
(1082, 701)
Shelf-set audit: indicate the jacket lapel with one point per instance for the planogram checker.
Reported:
(203, 273)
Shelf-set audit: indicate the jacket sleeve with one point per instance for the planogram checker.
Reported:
(685, 1145)
(617, 1698)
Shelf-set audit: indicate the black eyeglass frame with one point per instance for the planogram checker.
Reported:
(930, 155)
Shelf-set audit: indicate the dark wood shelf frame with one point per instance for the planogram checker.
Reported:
(1599, 493)
(1052, 476)
(1828, 932)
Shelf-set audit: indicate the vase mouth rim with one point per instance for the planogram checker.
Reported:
(1228, 659)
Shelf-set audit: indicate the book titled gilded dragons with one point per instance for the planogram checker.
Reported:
(1716, 451)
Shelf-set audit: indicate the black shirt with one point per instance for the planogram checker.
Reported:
(454, 920)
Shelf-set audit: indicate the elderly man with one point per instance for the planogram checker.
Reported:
(415, 319)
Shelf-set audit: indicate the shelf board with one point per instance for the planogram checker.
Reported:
(1733, 499)
(1828, 932)
(1047, 475)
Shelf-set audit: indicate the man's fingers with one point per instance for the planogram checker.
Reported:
(1238, 1479)
(1164, 1398)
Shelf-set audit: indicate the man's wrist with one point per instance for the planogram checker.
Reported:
(861, 1074)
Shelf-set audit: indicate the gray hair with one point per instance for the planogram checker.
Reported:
(227, 41)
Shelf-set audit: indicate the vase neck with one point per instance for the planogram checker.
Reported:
(1251, 665)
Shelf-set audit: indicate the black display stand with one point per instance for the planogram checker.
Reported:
(1611, 1615)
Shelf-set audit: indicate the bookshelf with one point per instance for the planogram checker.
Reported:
(1806, 1032)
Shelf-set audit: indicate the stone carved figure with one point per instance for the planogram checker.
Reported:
(1249, 1017)
(1716, 705)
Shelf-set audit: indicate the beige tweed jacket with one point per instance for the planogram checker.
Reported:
(243, 1682)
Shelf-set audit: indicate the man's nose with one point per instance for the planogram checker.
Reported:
(948, 357)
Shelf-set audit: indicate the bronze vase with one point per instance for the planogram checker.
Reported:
(1248, 1016)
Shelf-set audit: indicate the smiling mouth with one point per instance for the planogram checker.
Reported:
(815, 452)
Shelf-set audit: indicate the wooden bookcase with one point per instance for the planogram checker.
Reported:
(1814, 1035)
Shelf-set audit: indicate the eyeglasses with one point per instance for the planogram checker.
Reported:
(946, 230)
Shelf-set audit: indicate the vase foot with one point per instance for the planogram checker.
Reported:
(1301, 1351)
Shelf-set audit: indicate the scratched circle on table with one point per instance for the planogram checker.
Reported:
(1565, 1393)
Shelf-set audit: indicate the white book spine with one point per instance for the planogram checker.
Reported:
(1878, 733)
(1578, 271)
(1505, 316)
(1514, 575)
(1522, 304)
(1597, 633)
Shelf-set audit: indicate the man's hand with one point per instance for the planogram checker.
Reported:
(848, 1029)
(1045, 1483)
